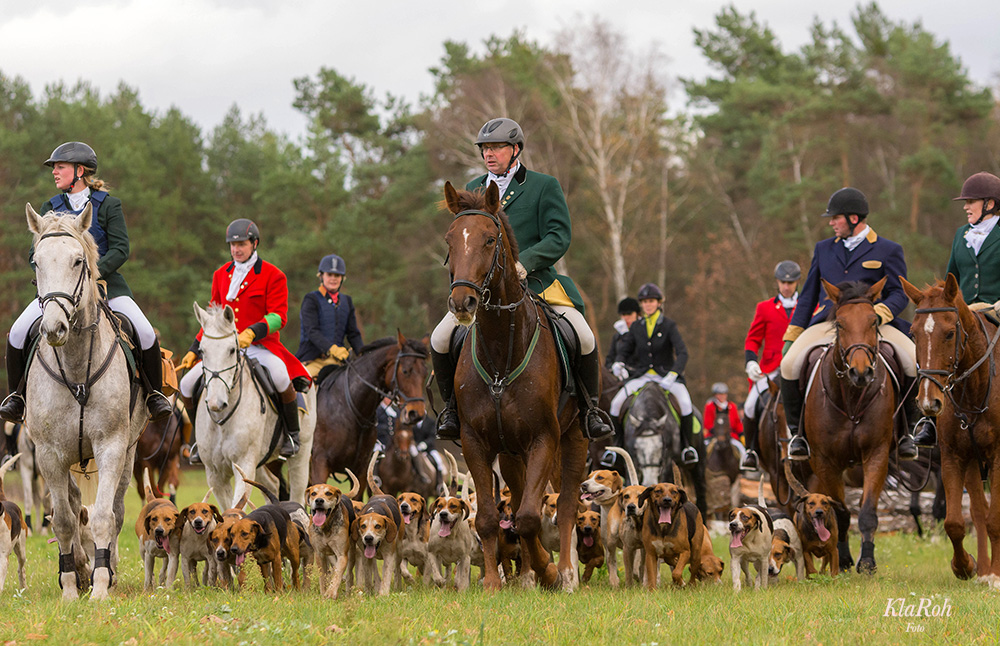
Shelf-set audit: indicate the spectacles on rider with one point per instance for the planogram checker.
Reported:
(493, 147)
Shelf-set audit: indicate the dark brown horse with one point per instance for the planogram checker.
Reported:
(957, 354)
(397, 469)
(347, 401)
(508, 387)
(159, 450)
(849, 414)
(722, 469)
(772, 441)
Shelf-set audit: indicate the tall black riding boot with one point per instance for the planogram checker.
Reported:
(444, 372)
(290, 416)
(798, 448)
(12, 409)
(152, 366)
(192, 407)
(688, 453)
(750, 461)
(596, 423)
(923, 429)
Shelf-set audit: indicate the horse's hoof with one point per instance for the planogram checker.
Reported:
(867, 566)
(549, 577)
(967, 572)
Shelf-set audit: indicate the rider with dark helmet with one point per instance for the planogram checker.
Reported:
(539, 216)
(975, 256)
(854, 253)
(653, 350)
(327, 318)
(258, 293)
(628, 313)
(762, 349)
(74, 169)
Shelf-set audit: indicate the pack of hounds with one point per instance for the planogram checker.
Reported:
(345, 538)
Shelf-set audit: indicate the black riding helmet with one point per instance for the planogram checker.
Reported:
(650, 290)
(502, 131)
(332, 264)
(628, 305)
(77, 153)
(243, 229)
(788, 271)
(847, 202)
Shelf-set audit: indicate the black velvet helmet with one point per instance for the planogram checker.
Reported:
(242, 229)
(628, 305)
(333, 264)
(847, 201)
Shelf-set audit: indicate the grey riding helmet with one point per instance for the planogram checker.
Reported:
(719, 388)
(650, 290)
(788, 271)
(74, 152)
(332, 264)
(501, 131)
(242, 229)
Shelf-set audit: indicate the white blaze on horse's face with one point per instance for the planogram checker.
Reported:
(219, 354)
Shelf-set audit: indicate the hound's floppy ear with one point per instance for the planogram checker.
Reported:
(215, 513)
(263, 537)
(800, 507)
(145, 523)
(184, 514)
(390, 530)
(644, 496)
(836, 504)
(466, 510)
(355, 530)
(683, 495)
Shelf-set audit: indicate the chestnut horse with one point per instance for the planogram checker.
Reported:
(348, 399)
(957, 356)
(508, 387)
(849, 414)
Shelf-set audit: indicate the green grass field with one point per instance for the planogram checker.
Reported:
(848, 609)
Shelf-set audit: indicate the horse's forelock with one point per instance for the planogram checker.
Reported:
(65, 222)
(476, 200)
(216, 320)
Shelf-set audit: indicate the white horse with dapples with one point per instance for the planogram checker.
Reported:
(79, 403)
(234, 420)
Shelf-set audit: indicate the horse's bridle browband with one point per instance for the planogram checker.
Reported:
(483, 290)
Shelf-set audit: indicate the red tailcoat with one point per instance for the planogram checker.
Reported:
(735, 423)
(264, 291)
(769, 323)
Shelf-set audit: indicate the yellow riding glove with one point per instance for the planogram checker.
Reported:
(246, 337)
(188, 361)
(338, 352)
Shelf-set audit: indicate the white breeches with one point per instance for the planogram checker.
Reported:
(756, 389)
(632, 386)
(274, 366)
(121, 304)
(441, 336)
(823, 334)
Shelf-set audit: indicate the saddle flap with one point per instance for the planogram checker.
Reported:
(812, 358)
(888, 353)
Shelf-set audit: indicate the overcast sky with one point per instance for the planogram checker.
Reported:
(203, 56)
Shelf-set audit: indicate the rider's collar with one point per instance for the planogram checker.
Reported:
(79, 199)
(853, 241)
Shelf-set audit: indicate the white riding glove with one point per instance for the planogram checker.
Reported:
(621, 327)
(753, 371)
(522, 273)
(619, 370)
(668, 380)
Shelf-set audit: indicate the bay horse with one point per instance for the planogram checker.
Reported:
(848, 414)
(235, 420)
(393, 367)
(772, 442)
(722, 469)
(82, 402)
(159, 450)
(957, 356)
(508, 389)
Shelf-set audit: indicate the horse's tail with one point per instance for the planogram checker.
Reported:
(356, 484)
(3, 471)
(271, 498)
(633, 477)
(453, 475)
(376, 491)
(793, 482)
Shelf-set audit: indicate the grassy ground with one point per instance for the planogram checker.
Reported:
(848, 609)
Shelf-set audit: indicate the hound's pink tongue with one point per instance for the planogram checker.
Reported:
(588, 541)
(506, 524)
(445, 530)
(164, 544)
(319, 517)
(406, 518)
(821, 529)
(737, 540)
(665, 515)
(369, 551)
(240, 558)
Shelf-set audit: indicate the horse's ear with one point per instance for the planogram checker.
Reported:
(229, 314)
(493, 198)
(950, 287)
(451, 198)
(876, 289)
(199, 314)
(400, 339)
(83, 221)
(33, 218)
(911, 290)
(831, 291)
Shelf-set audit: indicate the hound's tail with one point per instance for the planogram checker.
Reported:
(371, 474)
(633, 477)
(793, 482)
(271, 497)
(356, 484)
(453, 475)
(3, 471)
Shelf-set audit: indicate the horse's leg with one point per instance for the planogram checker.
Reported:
(876, 466)
(110, 462)
(25, 468)
(953, 476)
(993, 522)
(218, 480)
(480, 462)
(978, 508)
(119, 503)
(64, 522)
(573, 456)
(529, 517)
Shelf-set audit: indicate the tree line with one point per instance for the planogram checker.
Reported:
(703, 198)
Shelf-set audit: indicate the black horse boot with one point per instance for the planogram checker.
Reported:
(444, 371)
(798, 448)
(12, 408)
(596, 423)
(290, 416)
(152, 367)
(688, 454)
(192, 407)
(750, 463)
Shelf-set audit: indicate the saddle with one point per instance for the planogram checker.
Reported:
(885, 349)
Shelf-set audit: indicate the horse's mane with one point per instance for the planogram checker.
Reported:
(477, 200)
(411, 344)
(65, 222)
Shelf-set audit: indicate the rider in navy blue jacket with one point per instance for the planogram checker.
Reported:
(327, 320)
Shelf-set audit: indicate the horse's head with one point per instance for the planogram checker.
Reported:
(856, 327)
(219, 354)
(721, 429)
(65, 258)
(481, 251)
(940, 330)
(404, 376)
